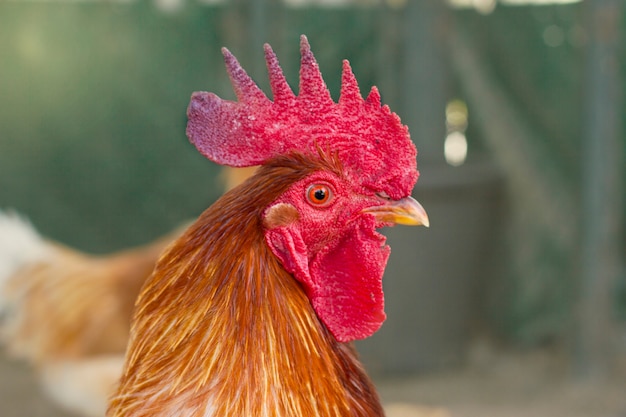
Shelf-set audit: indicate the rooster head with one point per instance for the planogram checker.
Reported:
(323, 227)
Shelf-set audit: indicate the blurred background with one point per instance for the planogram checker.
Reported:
(516, 108)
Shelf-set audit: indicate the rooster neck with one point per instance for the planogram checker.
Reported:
(221, 329)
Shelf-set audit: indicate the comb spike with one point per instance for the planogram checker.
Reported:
(312, 86)
(350, 94)
(245, 88)
(373, 98)
(280, 88)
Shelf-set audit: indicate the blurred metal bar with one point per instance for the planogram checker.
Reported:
(257, 34)
(426, 76)
(602, 203)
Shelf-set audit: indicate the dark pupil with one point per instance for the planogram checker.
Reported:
(319, 194)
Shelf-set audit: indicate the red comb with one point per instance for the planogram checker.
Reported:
(370, 140)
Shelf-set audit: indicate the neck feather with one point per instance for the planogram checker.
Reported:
(221, 329)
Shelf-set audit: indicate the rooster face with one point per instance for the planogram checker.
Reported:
(323, 227)
(323, 230)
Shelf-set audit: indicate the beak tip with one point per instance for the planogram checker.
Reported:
(420, 214)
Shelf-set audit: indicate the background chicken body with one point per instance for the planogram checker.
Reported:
(68, 313)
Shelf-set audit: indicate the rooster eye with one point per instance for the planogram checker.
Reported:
(319, 195)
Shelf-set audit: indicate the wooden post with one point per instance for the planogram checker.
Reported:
(602, 192)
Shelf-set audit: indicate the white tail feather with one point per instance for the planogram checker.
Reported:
(20, 245)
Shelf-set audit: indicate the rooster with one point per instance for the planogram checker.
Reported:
(252, 310)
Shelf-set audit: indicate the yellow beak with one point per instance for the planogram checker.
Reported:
(406, 211)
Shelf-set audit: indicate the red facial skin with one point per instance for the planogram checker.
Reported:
(335, 252)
